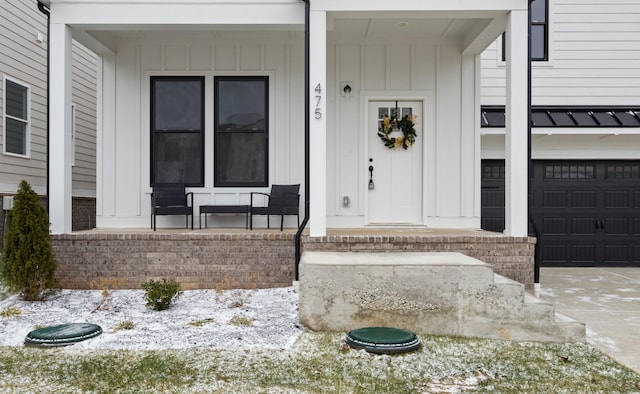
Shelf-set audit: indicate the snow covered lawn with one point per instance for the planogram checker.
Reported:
(250, 341)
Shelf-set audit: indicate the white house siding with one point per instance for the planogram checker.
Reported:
(426, 70)
(24, 58)
(126, 180)
(594, 52)
(594, 60)
(369, 68)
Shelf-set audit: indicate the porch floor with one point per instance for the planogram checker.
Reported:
(366, 231)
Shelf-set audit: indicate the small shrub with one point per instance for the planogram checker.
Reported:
(28, 264)
(10, 311)
(200, 323)
(160, 294)
(124, 325)
(241, 321)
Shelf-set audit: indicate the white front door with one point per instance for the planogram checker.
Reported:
(394, 174)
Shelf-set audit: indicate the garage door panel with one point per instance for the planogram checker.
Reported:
(617, 199)
(636, 226)
(554, 254)
(583, 254)
(583, 226)
(555, 226)
(583, 199)
(616, 226)
(493, 198)
(636, 198)
(554, 199)
(635, 253)
(616, 254)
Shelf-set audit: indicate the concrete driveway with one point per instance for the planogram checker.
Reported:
(607, 300)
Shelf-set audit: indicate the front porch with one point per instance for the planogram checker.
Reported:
(239, 258)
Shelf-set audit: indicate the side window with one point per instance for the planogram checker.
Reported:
(16, 117)
(539, 32)
(241, 131)
(177, 130)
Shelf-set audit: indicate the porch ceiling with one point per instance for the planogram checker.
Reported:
(404, 27)
(341, 28)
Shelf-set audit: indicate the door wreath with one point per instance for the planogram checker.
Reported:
(390, 128)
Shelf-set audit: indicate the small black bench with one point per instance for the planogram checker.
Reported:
(205, 209)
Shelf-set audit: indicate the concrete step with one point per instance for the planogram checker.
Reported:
(429, 293)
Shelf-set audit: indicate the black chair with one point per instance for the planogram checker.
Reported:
(282, 200)
(171, 199)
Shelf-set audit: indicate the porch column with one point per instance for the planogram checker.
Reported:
(318, 126)
(60, 143)
(516, 202)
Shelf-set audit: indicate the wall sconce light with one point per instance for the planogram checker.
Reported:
(346, 90)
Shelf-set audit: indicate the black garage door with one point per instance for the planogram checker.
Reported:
(587, 212)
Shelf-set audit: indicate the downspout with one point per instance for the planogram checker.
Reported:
(45, 10)
(305, 220)
(532, 221)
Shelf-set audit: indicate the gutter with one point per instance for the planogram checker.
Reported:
(44, 8)
(307, 107)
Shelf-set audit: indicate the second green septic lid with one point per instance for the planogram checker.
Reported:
(383, 340)
(63, 334)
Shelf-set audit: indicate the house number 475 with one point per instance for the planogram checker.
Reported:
(318, 111)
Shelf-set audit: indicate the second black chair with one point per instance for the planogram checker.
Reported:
(282, 200)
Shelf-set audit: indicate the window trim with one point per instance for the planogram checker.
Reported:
(548, 42)
(152, 104)
(266, 79)
(5, 116)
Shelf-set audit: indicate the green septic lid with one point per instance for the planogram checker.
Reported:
(383, 340)
(61, 335)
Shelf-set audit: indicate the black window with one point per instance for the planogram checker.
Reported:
(177, 130)
(241, 131)
(16, 117)
(539, 32)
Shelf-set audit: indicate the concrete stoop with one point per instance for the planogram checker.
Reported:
(428, 293)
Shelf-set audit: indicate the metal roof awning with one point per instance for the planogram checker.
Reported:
(565, 116)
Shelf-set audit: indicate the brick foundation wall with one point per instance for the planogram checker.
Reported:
(512, 257)
(253, 259)
(83, 215)
(195, 260)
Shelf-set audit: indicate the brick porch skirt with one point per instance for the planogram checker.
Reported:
(254, 259)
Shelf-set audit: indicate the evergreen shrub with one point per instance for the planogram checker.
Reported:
(28, 265)
(160, 294)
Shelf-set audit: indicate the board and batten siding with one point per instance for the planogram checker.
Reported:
(424, 70)
(24, 58)
(594, 57)
(125, 164)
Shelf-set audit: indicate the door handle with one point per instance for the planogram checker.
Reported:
(371, 184)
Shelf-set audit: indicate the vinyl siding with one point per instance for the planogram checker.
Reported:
(594, 57)
(84, 97)
(23, 58)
